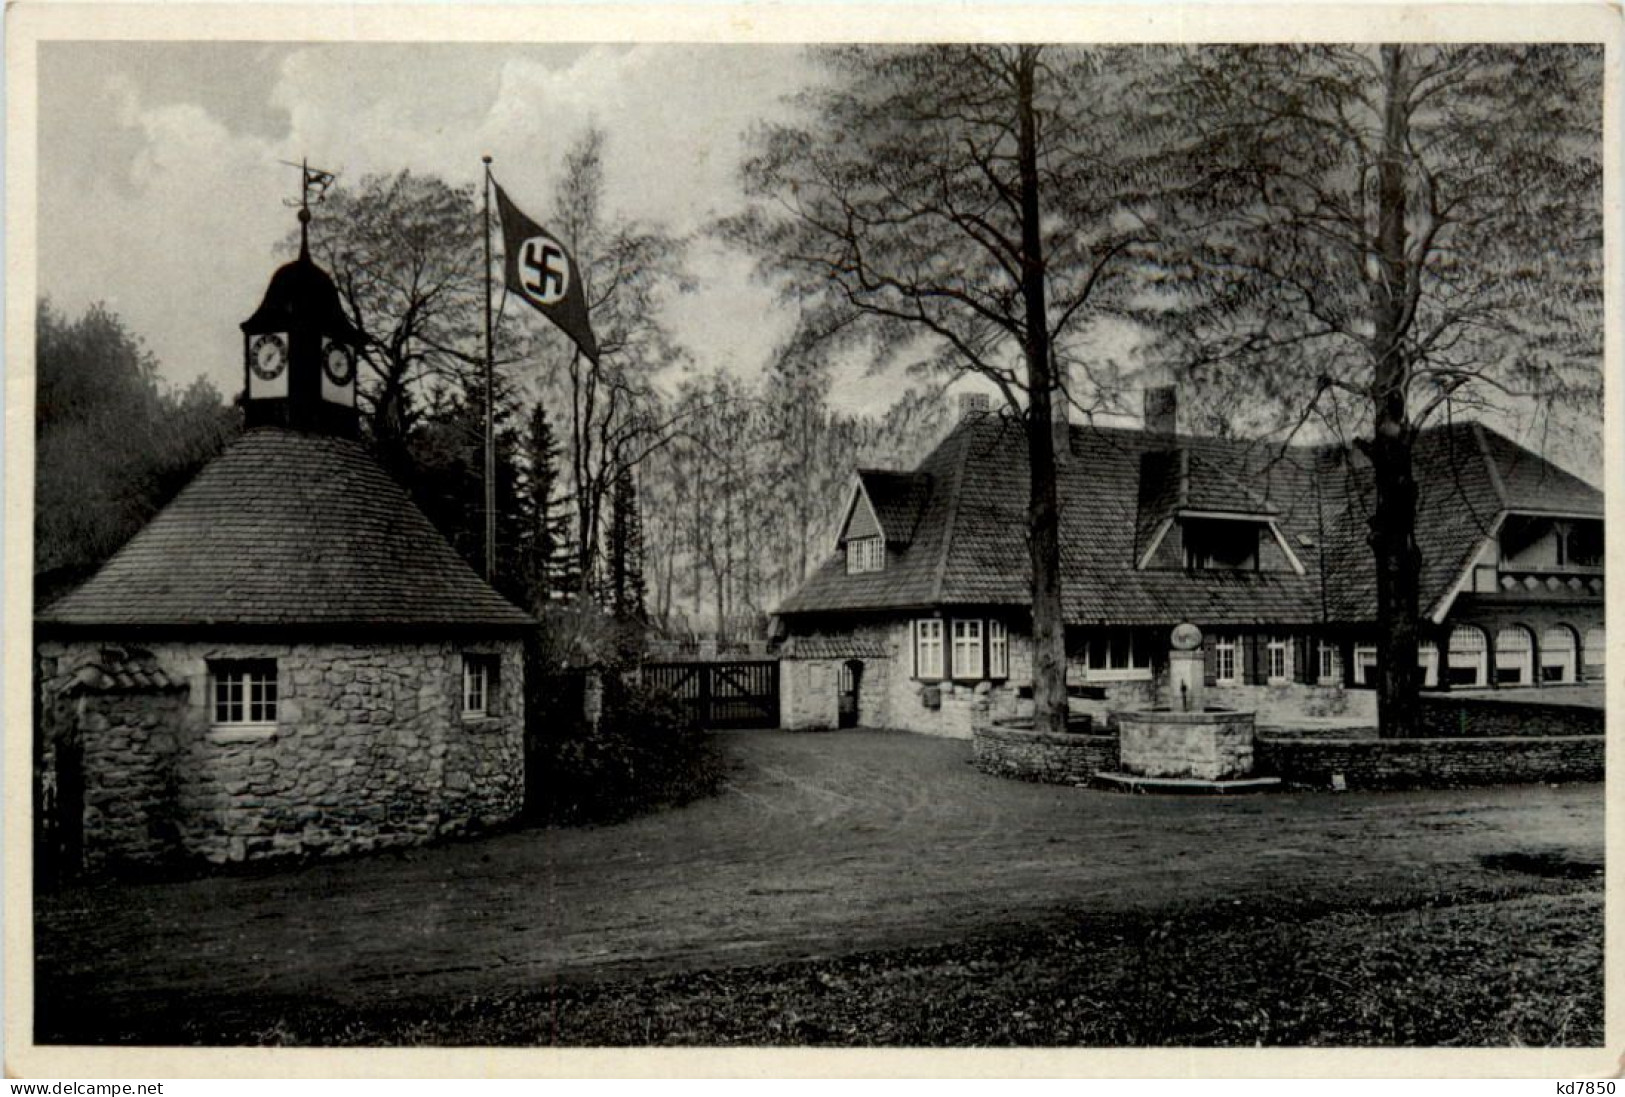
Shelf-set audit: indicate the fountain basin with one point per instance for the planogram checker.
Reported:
(1210, 745)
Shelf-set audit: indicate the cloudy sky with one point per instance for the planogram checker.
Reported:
(161, 193)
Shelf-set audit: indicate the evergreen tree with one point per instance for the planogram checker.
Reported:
(628, 593)
(546, 550)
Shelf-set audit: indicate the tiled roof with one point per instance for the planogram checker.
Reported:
(287, 528)
(898, 499)
(970, 545)
(845, 646)
(118, 670)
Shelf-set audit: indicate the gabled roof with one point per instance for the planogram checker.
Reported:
(896, 501)
(1470, 476)
(969, 545)
(287, 528)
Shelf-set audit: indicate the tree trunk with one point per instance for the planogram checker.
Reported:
(1393, 520)
(1043, 511)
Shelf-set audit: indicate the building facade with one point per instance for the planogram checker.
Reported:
(289, 659)
(920, 618)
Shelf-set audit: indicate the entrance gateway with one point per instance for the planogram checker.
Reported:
(721, 695)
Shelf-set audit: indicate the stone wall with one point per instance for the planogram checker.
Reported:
(1040, 756)
(370, 749)
(1444, 716)
(1423, 763)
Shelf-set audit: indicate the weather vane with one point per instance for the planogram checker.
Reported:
(311, 180)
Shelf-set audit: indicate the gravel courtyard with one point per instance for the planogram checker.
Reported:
(818, 844)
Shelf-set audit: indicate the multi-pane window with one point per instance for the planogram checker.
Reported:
(967, 651)
(1514, 656)
(928, 648)
(1557, 663)
(1468, 656)
(1331, 663)
(1117, 653)
(479, 684)
(1278, 659)
(998, 650)
(865, 554)
(244, 691)
(1225, 667)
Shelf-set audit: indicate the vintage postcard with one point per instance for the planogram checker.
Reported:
(810, 540)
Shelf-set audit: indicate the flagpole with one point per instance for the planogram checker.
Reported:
(490, 407)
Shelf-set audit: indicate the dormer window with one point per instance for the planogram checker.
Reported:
(1220, 544)
(865, 554)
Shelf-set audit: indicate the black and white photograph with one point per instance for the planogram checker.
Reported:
(810, 538)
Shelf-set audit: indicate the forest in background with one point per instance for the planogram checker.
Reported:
(659, 489)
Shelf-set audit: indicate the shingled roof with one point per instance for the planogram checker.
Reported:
(969, 545)
(898, 499)
(287, 528)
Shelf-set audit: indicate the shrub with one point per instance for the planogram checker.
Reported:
(643, 755)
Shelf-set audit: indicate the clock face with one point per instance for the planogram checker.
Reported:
(268, 356)
(339, 364)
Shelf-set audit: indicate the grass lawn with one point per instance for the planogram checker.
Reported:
(1522, 971)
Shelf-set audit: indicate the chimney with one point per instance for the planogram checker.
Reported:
(972, 404)
(1162, 410)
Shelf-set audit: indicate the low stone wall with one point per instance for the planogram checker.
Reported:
(1447, 717)
(1069, 759)
(1431, 763)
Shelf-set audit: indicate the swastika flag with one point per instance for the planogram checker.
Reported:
(542, 271)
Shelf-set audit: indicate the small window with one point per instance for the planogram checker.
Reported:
(1331, 664)
(1427, 658)
(1365, 664)
(928, 649)
(998, 650)
(1220, 544)
(244, 691)
(1224, 661)
(479, 685)
(967, 649)
(865, 554)
(1278, 659)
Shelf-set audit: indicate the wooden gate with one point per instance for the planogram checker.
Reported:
(721, 695)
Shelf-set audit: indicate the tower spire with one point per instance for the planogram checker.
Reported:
(311, 181)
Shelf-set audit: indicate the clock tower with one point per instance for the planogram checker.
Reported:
(299, 351)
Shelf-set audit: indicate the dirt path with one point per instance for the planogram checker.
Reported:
(819, 843)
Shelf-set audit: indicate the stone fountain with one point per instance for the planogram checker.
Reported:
(1186, 745)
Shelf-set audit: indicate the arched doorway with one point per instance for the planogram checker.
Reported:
(1559, 655)
(1596, 646)
(1514, 656)
(1469, 656)
(851, 681)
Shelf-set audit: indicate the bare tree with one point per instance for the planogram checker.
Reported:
(967, 200)
(405, 252)
(616, 418)
(1388, 232)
